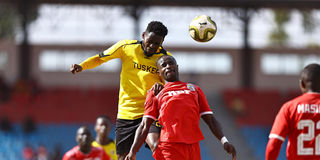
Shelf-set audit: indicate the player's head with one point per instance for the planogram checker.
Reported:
(103, 126)
(168, 68)
(84, 137)
(153, 37)
(310, 78)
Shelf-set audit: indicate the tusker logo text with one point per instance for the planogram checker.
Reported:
(146, 68)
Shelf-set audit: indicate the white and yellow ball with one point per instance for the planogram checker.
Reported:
(202, 28)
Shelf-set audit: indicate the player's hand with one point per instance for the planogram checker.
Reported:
(157, 88)
(75, 68)
(231, 150)
(130, 156)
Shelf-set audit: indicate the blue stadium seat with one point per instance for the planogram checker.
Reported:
(257, 138)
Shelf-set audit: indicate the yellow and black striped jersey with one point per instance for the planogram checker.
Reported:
(139, 73)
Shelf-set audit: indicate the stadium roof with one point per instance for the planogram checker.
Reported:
(185, 3)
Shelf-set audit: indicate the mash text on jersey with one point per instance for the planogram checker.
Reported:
(308, 108)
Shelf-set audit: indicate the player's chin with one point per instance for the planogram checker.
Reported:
(150, 51)
(170, 78)
(103, 132)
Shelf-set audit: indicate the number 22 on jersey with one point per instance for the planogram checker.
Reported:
(311, 127)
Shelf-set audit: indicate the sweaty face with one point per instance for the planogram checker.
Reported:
(168, 69)
(84, 137)
(151, 42)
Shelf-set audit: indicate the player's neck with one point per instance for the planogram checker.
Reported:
(85, 149)
(172, 80)
(103, 140)
(316, 92)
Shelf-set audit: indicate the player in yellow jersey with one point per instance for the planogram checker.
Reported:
(138, 75)
(103, 128)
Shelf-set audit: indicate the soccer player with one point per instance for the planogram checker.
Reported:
(299, 119)
(84, 150)
(138, 75)
(178, 107)
(102, 128)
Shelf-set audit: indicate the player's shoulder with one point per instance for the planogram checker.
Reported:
(95, 144)
(111, 142)
(72, 152)
(295, 100)
(168, 53)
(97, 150)
(127, 42)
(192, 87)
(291, 105)
(162, 51)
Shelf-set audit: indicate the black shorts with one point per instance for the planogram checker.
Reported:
(125, 132)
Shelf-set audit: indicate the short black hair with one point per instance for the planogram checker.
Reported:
(311, 76)
(86, 128)
(105, 117)
(158, 28)
(163, 56)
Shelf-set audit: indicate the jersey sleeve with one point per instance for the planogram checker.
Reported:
(203, 103)
(151, 107)
(280, 127)
(273, 149)
(91, 62)
(66, 156)
(115, 51)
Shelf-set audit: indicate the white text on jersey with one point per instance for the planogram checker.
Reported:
(171, 93)
(308, 108)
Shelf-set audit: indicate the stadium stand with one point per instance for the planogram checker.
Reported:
(57, 114)
(254, 112)
(62, 105)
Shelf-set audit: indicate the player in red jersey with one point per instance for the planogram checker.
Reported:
(84, 150)
(299, 119)
(178, 107)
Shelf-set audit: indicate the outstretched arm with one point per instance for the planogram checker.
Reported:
(89, 63)
(215, 128)
(140, 137)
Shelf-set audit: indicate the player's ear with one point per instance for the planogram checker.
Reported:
(143, 34)
(302, 86)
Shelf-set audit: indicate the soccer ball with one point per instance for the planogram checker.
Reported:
(202, 28)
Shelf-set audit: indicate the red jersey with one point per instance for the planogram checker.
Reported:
(299, 119)
(95, 154)
(178, 108)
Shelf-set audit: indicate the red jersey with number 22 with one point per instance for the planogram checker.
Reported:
(178, 108)
(299, 119)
